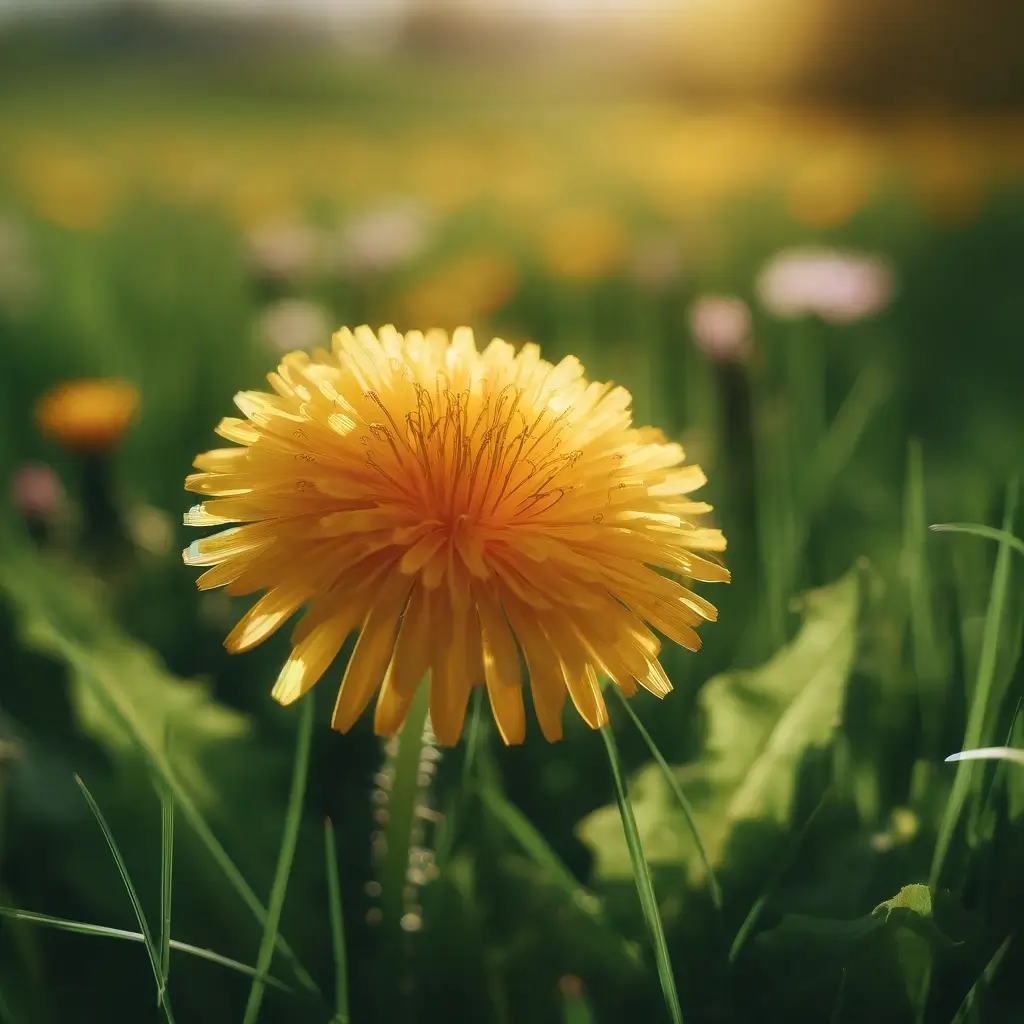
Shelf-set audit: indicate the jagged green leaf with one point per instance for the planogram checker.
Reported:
(761, 723)
(886, 957)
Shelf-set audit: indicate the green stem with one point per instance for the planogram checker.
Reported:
(402, 810)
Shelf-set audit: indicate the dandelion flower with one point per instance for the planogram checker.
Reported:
(464, 511)
(88, 415)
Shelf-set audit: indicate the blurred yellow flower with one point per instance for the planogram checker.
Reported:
(470, 287)
(456, 507)
(67, 188)
(87, 415)
(258, 199)
(827, 191)
(447, 172)
(582, 244)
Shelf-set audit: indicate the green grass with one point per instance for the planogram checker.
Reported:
(979, 708)
(163, 997)
(289, 839)
(677, 791)
(166, 882)
(644, 884)
(810, 470)
(105, 932)
(341, 1014)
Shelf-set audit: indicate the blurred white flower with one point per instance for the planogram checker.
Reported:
(838, 285)
(380, 239)
(19, 276)
(285, 250)
(289, 324)
(655, 262)
(720, 325)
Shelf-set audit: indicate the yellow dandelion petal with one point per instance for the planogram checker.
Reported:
(470, 513)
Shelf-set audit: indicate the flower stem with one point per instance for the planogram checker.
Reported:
(401, 805)
(644, 885)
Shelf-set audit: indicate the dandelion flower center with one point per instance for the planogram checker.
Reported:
(467, 512)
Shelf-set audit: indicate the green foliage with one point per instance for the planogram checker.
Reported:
(881, 962)
(815, 781)
(760, 725)
(128, 703)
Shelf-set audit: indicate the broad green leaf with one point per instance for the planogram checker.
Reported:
(124, 697)
(885, 957)
(910, 914)
(760, 725)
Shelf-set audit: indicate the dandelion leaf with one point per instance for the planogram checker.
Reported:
(760, 726)
(124, 697)
(877, 966)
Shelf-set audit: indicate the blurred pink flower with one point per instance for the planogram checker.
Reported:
(285, 250)
(36, 490)
(838, 285)
(655, 262)
(290, 324)
(380, 239)
(720, 325)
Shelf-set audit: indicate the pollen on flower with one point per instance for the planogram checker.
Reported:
(469, 514)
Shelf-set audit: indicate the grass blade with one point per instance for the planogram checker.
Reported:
(140, 915)
(926, 646)
(166, 880)
(536, 847)
(337, 927)
(977, 530)
(457, 802)
(673, 782)
(644, 885)
(982, 984)
(105, 932)
(754, 914)
(289, 839)
(982, 688)
(6, 1014)
(869, 393)
(96, 674)
(242, 887)
(473, 739)
(990, 754)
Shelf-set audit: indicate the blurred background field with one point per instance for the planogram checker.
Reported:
(795, 233)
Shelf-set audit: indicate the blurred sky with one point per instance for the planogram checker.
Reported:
(348, 8)
(878, 53)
